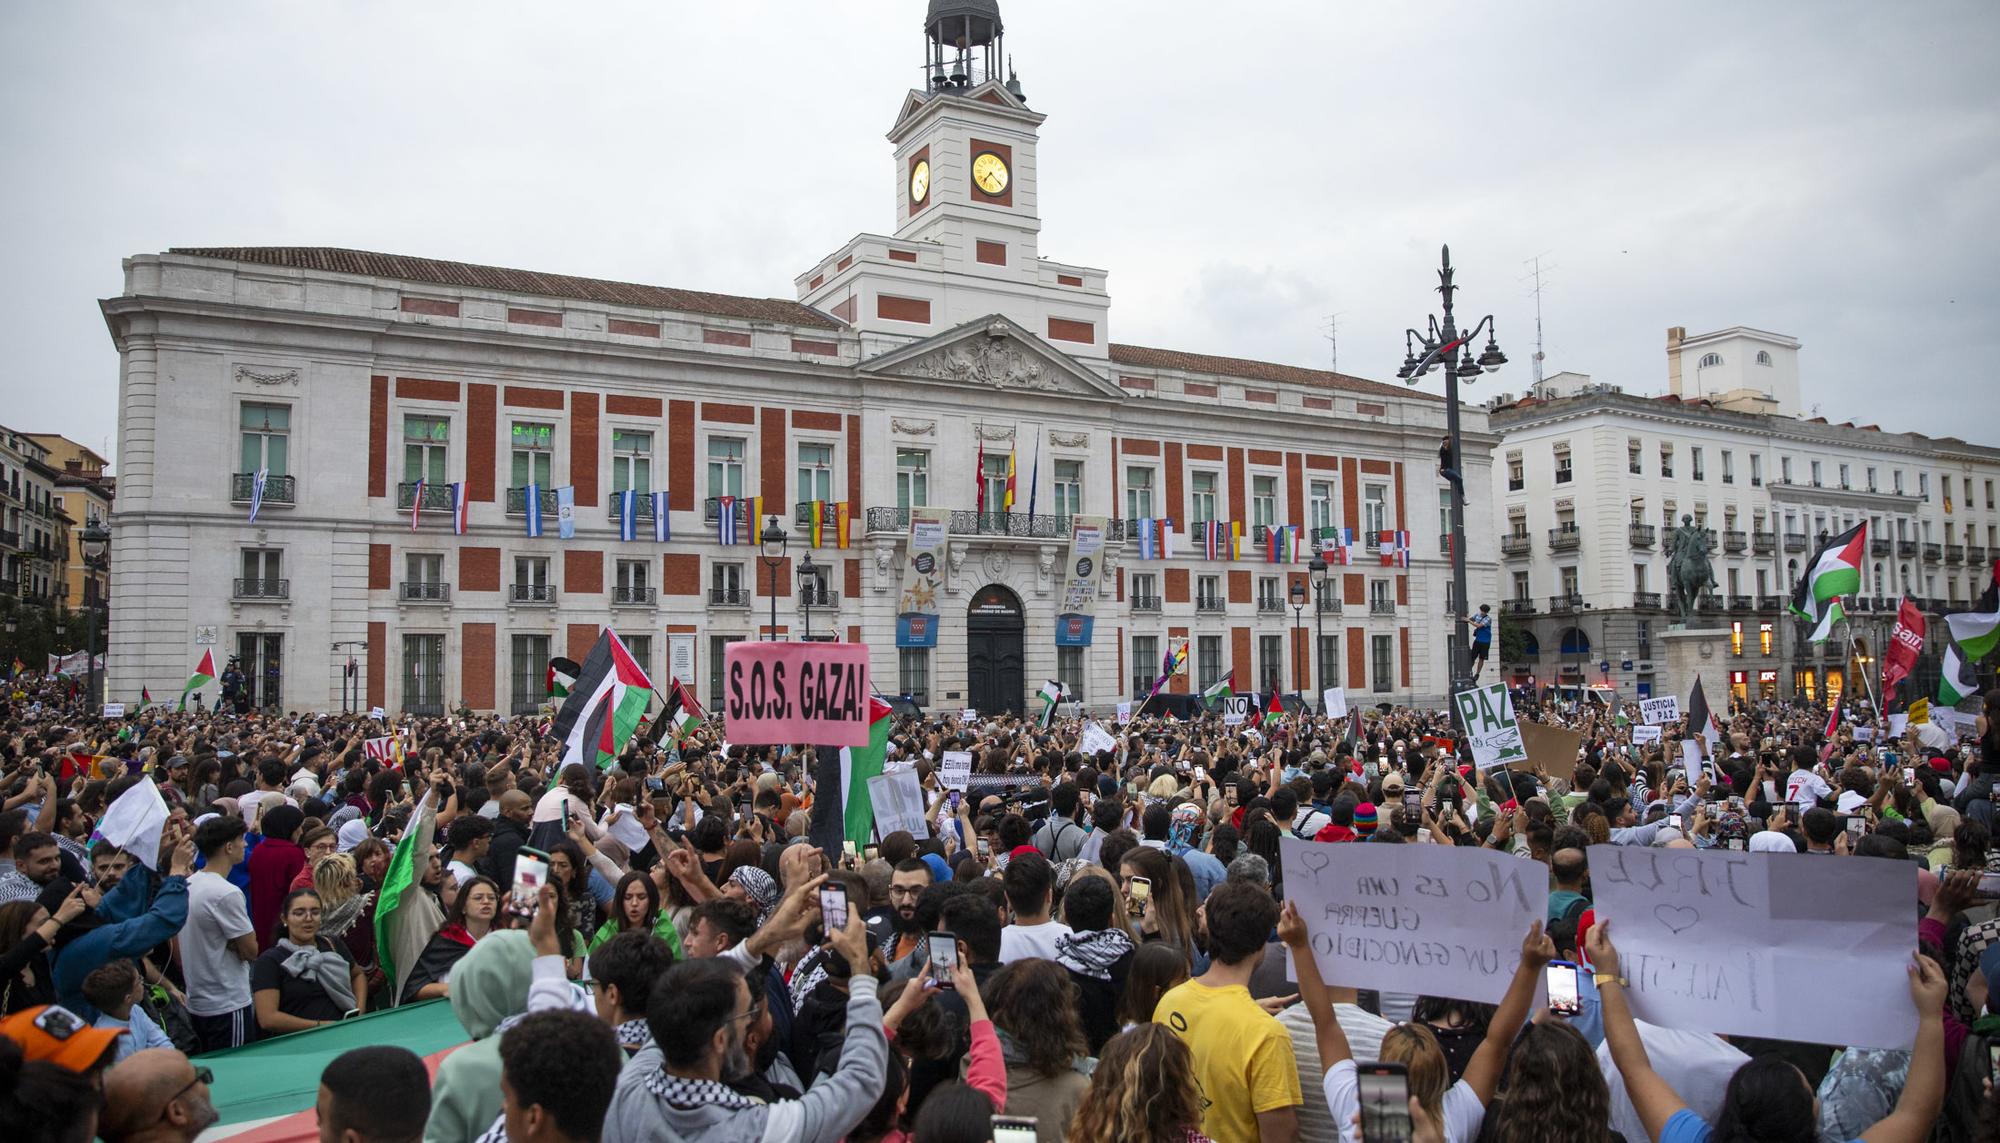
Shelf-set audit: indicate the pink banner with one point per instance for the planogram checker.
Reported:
(777, 694)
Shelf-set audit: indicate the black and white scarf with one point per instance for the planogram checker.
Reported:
(1093, 953)
(634, 1035)
(687, 1094)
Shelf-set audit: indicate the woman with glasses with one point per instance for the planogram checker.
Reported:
(318, 842)
(305, 979)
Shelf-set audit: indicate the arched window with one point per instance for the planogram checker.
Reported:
(1710, 360)
(1575, 642)
(1531, 647)
(1763, 357)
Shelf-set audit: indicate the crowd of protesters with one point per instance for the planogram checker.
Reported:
(1088, 944)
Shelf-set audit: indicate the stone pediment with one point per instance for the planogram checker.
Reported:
(993, 352)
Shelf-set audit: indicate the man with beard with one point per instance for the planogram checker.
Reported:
(155, 1096)
(906, 886)
(699, 1015)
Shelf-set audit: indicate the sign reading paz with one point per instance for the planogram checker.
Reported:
(1742, 943)
(1487, 713)
(1407, 918)
(775, 694)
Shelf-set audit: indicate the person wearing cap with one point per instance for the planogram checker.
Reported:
(1364, 821)
(58, 1035)
(156, 1096)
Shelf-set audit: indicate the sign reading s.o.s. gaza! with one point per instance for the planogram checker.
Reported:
(774, 694)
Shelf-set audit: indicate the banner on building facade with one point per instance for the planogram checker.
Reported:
(1079, 602)
(923, 578)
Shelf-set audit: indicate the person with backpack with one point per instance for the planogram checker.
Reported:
(1060, 837)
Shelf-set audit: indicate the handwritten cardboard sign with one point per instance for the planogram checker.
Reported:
(776, 694)
(1487, 713)
(1744, 943)
(1659, 711)
(1235, 709)
(1124, 712)
(1550, 748)
(898, 798)
(1333, 702)
(1096, 738)
(1431, 919)
(956, 771)
(1644, 734)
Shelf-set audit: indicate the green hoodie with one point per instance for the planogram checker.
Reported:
(488, 985)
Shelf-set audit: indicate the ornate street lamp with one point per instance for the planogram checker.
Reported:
(1317, 569)
(808, 587)
(1298, 623)
(95, 542)
(774, 542)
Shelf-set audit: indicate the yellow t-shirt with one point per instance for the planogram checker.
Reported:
(1242, 1057)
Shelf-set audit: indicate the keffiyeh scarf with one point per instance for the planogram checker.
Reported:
(324, 967)
(692, 1093)
(1093, 954)
(760, 888)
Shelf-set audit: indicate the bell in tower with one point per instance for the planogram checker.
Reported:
(963, 42)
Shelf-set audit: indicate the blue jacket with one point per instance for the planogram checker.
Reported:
(135, 919)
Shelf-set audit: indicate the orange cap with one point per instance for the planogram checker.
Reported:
(54, 1033)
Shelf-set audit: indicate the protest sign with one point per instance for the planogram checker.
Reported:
(899, 802)
(1550, 749)
(1691, 755)
(1096, 738)
(1402, 918)
(1333, 702)
(114, 710)
(1644, 734)
(1659, 711)
(1487, 713)
(1744, 943)
(1898, 723)
(956, 770)
(381, 749)
(1864, 734)
(780, 693)
(968, 715)
(1124, 712)
(1235, 709)
(377, 712)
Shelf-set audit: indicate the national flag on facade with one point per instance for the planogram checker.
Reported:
(532, 501)
(857, 765)
(257, 492)
(979, 479)
(1276, 548)
(1149, 539)
(406, 916)
(566, 511)
(561, 677)
(816, 510)
(1395, 549)
(725, 520)
(1221, 688)
(204, 674)
(628, 515)
(1235, 540)
(417, 503)
(663, 518)
(1906, 642)
(1211, 539)
(1834, 571)
(1956, 682)
(1051, 696)
(842, 516)
(458, 508)
(1035, 475)
(603, 710)
(1977, 631)
(1007, 495)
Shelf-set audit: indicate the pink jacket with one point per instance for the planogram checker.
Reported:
(985, 1071)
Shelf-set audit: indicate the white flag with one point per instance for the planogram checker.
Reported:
(135, 821)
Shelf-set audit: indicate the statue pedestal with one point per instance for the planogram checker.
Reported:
(1692, 651)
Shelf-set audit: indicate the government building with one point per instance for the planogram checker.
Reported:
(934, 447)
(1595, 478)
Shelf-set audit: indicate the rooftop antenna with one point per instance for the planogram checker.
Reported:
(1536, 272)
(1333, 340)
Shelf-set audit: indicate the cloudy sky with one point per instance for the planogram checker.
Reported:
(1827, 169)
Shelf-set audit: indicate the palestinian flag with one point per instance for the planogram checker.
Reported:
(407, 917)
(1699, 719)
(1955, 679)
(857, 765)
(204, 674)
(1834, 571)
(677, 717)
(1051, 695)
(1977, 632)
(1222, 688)
(562, 676)
(145, 699)
(603, 710)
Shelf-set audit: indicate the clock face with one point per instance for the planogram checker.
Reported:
(920, 180)
(989, 173)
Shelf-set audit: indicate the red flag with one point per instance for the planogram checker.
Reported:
(1906, 642)
(979, 478)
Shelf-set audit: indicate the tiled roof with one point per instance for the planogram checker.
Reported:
(469, 276)
(1147, 358)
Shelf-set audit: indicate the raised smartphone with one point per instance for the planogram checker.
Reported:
(1384, 1091)
(833, 906)
(1565, 997)
(944, 955)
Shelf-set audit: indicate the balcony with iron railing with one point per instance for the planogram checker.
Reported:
(1329, 603)
(1737, 542)
(628, 595)
(1954, 553)
(1565, 539)
(263, 589)
(1641, 535)
(1795, 541)
(1565, 603)
(437, 497)
(1880, 545)
(1708, 603)
(1763, 543)
(1975, 555)
(818, 595)
(1518, 606)
(1864, 603)
(1516, 544)
(728, 597)
(1009, 525)
(537, 593)
(1770, 602)
(1209, 603)
(1741, 602)
(642, 505)
(1270, 605)
(1145, 603)
(1906, 549)
(279, 491)
(423, 591)
(517, 501)
(1933, 552)
(1381, 606)
(9, 539)
(1646, 600)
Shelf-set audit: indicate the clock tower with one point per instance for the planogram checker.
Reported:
(966, 239)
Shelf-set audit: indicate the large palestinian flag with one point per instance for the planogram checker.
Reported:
(679, 714)
(204, 674)
(604, 707)
(857, 765)
(1956, 682)
(1834, 571)
(1977, 632)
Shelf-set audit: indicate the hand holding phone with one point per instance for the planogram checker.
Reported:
(1565, 998)
(943, 957)
(833, 906)
(531, 872)
(1383, 1090)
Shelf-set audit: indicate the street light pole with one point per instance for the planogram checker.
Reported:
(1298, 625)
(1444, 346)
(93, 542)
(1317, 569)
(808, 585)
(773, 542)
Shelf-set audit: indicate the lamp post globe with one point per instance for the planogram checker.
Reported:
(808, 588)
(773, 541)
(1316, 569)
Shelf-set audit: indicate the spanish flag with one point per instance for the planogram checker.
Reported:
(818, 512)
(840, 518)
(1007, 497)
